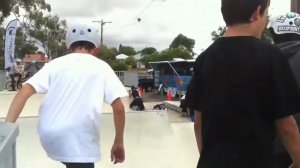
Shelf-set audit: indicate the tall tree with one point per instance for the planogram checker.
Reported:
(148, 51)
(184, 41)
(152, 58)
(22, 46)
(266, 34)
(113, 52)
(46, 31)
(5, 8)
(103, 54)
(2, 30)
(127, 50)
(218, 33)
(131, 61)
(169, 54)
(8, 6)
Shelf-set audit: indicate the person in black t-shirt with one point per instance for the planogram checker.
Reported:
(288, 40)
(243, 92)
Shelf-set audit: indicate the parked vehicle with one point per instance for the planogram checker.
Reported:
(174, 74)
(146, 83)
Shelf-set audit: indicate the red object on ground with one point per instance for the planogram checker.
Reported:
(169, 95)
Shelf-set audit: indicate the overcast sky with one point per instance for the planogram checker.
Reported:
(161, 20)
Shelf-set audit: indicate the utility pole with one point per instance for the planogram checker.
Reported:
(295, 6)
(102, 23)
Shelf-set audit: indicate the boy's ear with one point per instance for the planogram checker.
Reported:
(255, 15)
(69, 50)
(96, 51)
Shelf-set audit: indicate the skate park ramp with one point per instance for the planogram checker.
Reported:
(32, 106)
(151, 140)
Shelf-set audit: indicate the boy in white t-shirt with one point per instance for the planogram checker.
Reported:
(76, 85)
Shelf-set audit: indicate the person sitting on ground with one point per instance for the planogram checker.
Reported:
(137, 102)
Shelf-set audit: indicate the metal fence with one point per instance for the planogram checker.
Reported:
(120, 75)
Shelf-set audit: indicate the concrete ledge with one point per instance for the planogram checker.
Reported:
(173, 105)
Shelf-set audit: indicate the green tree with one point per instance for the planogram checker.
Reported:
(151, 58)
(2, 30)
(131, 61)
(168, 55)
(218, 33)
(107, 54)
(118, 66)
(175, 53)
(47, 32)
(2, 62)
(40, 27)
(5, 8)
(103, 54)
(148, 51)
(22, 46)
(127, 50)
(112, 52)
(266, 34)
(8, 6)
(184, 41)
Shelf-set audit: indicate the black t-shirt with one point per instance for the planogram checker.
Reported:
(135, 93)
(241, 85)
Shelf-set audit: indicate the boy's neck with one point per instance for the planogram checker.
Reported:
(242, 30)
(82, 51)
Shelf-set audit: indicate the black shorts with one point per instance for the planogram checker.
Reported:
(79, 165)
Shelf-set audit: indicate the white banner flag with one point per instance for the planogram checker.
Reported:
(10, 36)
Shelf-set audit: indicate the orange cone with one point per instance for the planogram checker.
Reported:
(169, 95)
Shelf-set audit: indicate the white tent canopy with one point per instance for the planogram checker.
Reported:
(121, 57)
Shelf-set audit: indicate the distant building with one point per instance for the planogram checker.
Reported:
(35, 57)
(138, 58)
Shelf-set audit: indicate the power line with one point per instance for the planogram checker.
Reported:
(150, 12)
(139, 17)
(134, 20)
(147, 7)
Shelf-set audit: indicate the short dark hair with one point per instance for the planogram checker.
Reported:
(240, 11)
(82, 44)
(281, 38)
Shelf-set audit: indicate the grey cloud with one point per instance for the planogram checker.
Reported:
(88, 8)
(137, 42)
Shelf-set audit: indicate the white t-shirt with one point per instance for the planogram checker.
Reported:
(76, 85)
